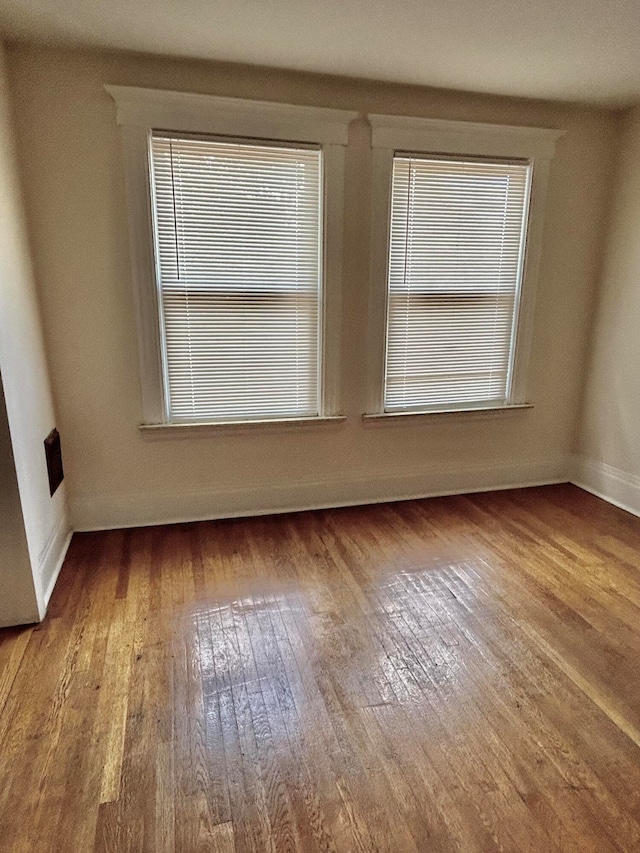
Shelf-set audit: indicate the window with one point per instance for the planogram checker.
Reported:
(235, 213)
(455, 259)
(452, 284)
(238, 234)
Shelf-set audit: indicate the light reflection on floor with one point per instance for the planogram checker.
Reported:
(402, 641)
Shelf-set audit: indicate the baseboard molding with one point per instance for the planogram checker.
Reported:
(618, 487)
(108, 511)
(51, 561)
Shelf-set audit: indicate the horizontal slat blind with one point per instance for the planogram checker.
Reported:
(238, 245)
(456, 244)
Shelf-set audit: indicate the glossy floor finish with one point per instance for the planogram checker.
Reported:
(456, 674)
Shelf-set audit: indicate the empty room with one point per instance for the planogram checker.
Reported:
(319, 426)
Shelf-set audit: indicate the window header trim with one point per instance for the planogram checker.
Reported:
(409, 133)
(202, 114)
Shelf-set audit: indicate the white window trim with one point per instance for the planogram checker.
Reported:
(138, 112)
(279, 425)
(435, 136)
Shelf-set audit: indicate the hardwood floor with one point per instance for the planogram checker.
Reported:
(454, 674)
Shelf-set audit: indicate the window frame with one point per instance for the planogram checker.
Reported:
(393, 135)
(140, 111)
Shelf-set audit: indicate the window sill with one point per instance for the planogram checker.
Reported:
(482, 412)
(191, 430)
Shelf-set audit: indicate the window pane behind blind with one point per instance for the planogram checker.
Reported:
(238, 244)
(457, 232)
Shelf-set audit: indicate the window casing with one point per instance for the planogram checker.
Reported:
(177, 389)
(455, 205)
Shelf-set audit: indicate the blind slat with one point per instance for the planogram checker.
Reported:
(238, 246)
(455, 260)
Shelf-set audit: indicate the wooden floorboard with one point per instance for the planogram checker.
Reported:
(453, 674)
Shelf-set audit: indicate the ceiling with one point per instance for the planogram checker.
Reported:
(585, 50)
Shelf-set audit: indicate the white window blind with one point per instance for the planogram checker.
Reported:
(238, 230)
(455, 264)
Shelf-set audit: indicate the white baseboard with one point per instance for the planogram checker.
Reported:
(51, 561)
(618, 487)
(109, 511)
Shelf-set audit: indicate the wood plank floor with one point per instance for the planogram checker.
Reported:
(455, 674)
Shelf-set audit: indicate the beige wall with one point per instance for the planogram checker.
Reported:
(18, 602)
(25, 378)
(609, 438)
(75, 197)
